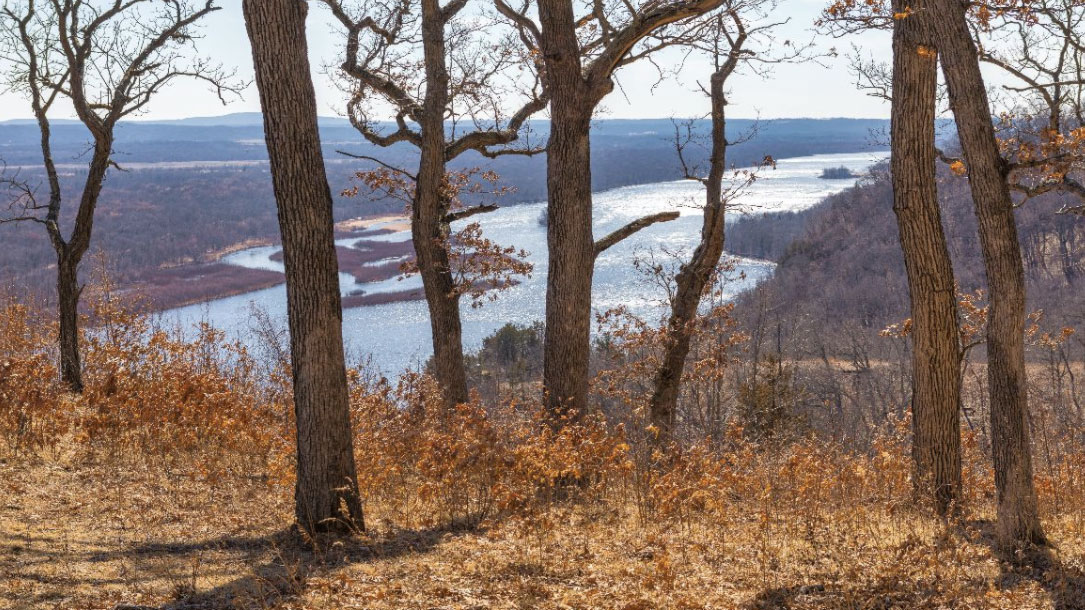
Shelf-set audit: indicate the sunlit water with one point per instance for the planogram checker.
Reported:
(397, 335)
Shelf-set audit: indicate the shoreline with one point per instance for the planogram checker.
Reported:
(375, 260)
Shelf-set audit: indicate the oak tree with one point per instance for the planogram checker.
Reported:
(326, 492)
(108, 61)
(447, 78)
(936, 377)
(581, 45)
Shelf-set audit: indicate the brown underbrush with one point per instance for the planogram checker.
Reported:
(168, 484)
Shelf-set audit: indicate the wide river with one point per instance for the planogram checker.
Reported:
(397, 335)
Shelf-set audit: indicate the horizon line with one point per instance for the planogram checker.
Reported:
(541, 119)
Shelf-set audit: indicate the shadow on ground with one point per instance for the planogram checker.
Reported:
(1065, 584)
(286, 561)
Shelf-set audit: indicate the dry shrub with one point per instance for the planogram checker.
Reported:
(160, 394)
(151, 393)
(421, 465)
(808, 480)
(31, 418)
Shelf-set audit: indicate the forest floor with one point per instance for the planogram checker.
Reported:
(135, 537)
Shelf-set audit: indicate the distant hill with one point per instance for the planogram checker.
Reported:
(850, 240)
(625, 152)
(239, 136)
(235, 119)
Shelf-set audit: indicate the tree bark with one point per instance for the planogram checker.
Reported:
(429, 230)
(68, 291)
(326, 496)
(936, 383)
(570, 244)
(695, 276)
(575, 90)
(1018, 518)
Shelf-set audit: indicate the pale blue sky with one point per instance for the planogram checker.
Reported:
(804, 90)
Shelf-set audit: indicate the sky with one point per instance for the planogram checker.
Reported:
(818, 90)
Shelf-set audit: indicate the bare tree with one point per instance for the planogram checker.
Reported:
(109, 60)
(581, 45)
(1036, 147)
(326, 494)
(455, 101)
(1018, 517)
(1040, 138)
(726, 39)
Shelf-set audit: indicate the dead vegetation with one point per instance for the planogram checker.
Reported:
(168, 484)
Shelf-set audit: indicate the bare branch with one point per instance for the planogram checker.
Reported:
(631, 228)
(452, 217)
(109, 62)
(642, 24)
(482, 141)
(393, 168)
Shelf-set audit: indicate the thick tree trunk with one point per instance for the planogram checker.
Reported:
(429, 231)
(1018, 519)
(936, 389)
(695, 276)
(571, 265)
(570, 244)
(68, 289)
(326, 496)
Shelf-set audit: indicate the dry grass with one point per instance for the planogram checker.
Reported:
(98, 535)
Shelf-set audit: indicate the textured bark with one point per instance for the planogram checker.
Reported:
(1018, 519)
(68, 289)
(695, 276)
(570, 244)
(936, 383)
(326, 496)
(429, 230)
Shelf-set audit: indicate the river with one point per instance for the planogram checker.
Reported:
(397, 335)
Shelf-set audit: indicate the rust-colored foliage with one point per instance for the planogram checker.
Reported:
(31, 417)
(152, 392)
(481, 268)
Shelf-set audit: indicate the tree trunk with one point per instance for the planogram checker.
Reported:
(429, 231)
(326, 496)
(444, 306)
(70, 254)
(68, 290)
(571, 265)
(1018, 519)
(936, 389)
(694, 277)
(570, 244)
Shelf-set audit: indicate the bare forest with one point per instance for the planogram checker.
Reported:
(874, 399)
